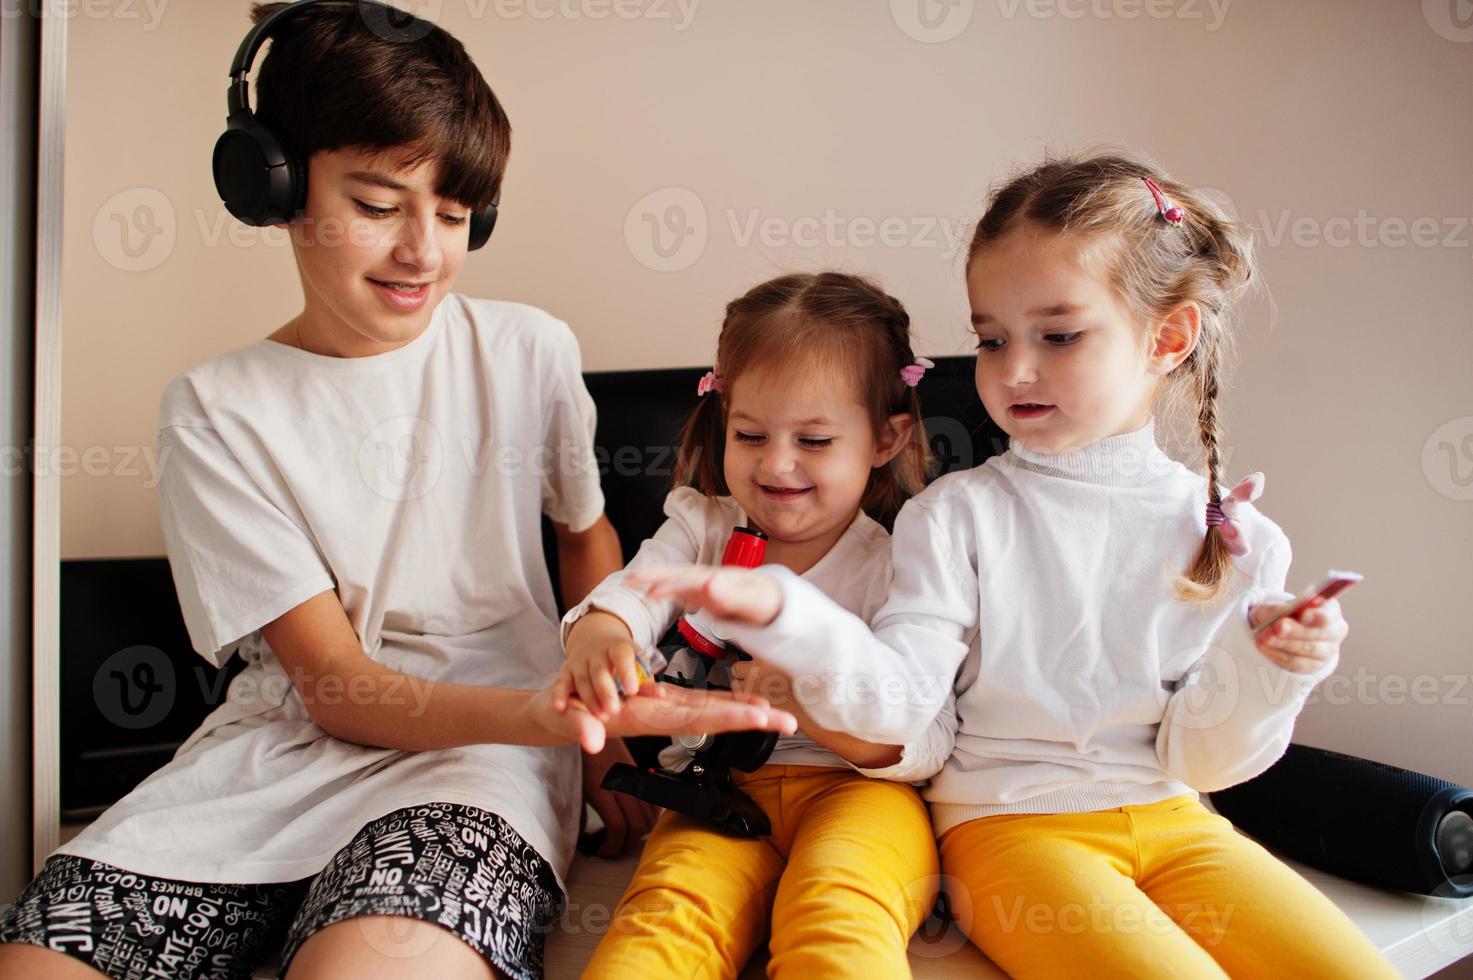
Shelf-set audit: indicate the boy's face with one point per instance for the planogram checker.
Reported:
(377, 250)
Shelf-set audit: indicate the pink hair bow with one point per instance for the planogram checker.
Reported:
(912, 374)
(1224, 515)
(710, 381)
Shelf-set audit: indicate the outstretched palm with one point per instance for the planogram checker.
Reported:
(671, 711)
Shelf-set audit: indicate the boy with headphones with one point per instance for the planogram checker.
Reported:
(353, 506)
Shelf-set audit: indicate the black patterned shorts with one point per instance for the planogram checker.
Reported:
(458, 866)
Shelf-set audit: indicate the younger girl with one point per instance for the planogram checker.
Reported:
(1074, 620)
(810, 430)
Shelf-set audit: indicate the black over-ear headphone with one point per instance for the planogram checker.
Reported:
(260, 181)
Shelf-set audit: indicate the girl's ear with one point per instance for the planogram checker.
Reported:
(894, 434)
(1175, 337)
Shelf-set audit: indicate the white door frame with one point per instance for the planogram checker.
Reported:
(46, 485)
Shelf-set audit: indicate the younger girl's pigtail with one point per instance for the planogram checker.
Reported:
(702, 446)
(913, 465)
(906, 474)
(1212, 566)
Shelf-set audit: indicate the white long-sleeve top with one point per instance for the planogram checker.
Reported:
(854, 575)
(1032, 657)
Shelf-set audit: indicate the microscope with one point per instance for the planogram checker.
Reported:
(694, 776)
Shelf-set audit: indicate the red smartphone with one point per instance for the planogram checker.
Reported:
(1333, 584)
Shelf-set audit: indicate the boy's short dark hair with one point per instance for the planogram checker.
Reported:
(329, 81)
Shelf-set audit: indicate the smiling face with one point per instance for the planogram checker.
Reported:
(799, 452)
(377, 250)
(1062, 362)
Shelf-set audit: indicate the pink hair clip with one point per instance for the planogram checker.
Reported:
(1174, 216)
(710, 381)
(912, 374)
(1223, 516)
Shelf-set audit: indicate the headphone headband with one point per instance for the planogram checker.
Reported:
(251, 44)
(259, 180)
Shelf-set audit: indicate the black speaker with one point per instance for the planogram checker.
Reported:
(1361, 820)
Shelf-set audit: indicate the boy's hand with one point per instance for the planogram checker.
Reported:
(742, 595)
(675, 711)
(626, 819)
(590, 671)
(1301, 645)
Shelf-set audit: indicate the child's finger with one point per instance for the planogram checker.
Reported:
(608, 692)
(654, 690)
(747, 697)
(1298, 648)
(1297, 665)
(1324, 613)
(587, 693)
(1299, 632)
(562, 689)
(626, 666)
(669, 580)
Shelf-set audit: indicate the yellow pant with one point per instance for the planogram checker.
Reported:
(1166, 889)
(849, 873)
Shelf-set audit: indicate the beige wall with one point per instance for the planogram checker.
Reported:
(1305, 114)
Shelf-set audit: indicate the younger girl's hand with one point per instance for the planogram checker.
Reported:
(1305, 644)
(742, 595)
(595, 671)
(751, 677)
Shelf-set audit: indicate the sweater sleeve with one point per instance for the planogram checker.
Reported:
(923, 758)
(1233, 714)
(677, 542)
(887, 684)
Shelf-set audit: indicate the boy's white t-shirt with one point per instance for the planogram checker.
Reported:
(855, 573)
(412, 482)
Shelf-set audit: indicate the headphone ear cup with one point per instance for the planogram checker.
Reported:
(483, 222)
(254, 176)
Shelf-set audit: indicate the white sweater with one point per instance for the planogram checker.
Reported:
(854, 573)
(1031, 656)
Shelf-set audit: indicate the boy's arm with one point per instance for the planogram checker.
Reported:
(355, 698)
(586, 558)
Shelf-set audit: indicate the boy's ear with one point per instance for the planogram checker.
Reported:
(1175, 337)
(894, 434)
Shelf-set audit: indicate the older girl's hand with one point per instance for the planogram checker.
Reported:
(1301, 645)
(741, 595)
